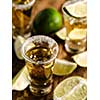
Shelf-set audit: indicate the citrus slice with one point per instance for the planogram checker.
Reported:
(20, 81)
(63, 67)
(72, 88)
(81, 59)
(62, 33)
(17, 46)
(78, 9)
(30, 46)
(77, 34)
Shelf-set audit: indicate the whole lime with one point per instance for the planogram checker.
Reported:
(47, 21)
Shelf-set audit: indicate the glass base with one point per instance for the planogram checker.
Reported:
(39, 91)
(72, 51)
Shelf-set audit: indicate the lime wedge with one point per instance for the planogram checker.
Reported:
(62, 33)
(63, 67)
(72, 88)
(77, 34)
(20, 81)
(78, 9)
(17, 46)
(81, 59)
(30, 46)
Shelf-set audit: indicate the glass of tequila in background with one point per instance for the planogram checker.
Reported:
(75, 20)
(40, 53)
(21, 16)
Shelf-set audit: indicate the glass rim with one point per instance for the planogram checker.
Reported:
(23, 6)
(29, 40)
(72, 2)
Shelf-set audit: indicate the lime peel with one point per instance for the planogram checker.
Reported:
(63, 67)
(20, 81)
(62, 33)
(17, 46)
(81, 59)
(47, 21)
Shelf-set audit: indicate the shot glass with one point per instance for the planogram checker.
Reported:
(21, 17)
(75, 18)
(76, 44)
(40, 53)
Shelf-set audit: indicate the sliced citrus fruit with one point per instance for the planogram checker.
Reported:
(63, 67)
(77, 34)
(30, 46)
(81, 59)
(20, 81)
(62, 33)
(78, 9)
(72, 88)
(17, 46)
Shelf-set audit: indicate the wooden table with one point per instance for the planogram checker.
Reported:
(18, 64)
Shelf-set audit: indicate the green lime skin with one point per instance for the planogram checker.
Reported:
(47, 21)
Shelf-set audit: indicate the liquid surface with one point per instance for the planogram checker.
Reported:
(39, 54)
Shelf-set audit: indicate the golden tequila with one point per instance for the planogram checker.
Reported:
(75, 18)
(21, 16)
(40, 53)
(40, 75)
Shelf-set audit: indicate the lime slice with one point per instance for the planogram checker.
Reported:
(72, 88)
(17, 46)
(20, 81)
(62, 33)
(63, 67)
(78, 9)
(81, 59)
(77, 34)
(30, 46)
